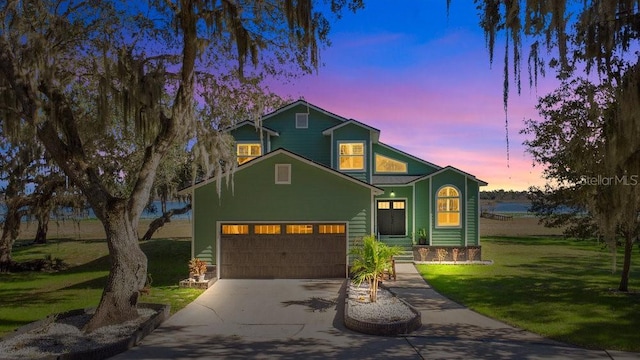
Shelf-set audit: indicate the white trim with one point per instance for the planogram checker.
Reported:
(218, 238)
(364, 156)
(332, 154)
(374, 215)
(459, 210)
(413, 215)
(305, 103)
(409, 155)
(466, 211)
(375, 189)
(306, 124)
(478, 214)
(432, 212)
(249, 142)
(406, 220)
(374, 166)
(467, 175)
(219, 224)
(277, 171)
(370, 160)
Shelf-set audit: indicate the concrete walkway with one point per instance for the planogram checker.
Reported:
(451, 331)
(303, 319)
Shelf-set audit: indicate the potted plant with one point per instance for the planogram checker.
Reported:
(421, 234)
(198, 268)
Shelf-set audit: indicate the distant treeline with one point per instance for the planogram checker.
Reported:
(504, 195)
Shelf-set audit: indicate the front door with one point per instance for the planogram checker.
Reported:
(391, 216)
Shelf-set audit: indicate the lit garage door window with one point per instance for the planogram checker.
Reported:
(331, 229)
(235, 229)
(300, 229)
(266, 229)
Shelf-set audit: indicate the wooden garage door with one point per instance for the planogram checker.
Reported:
(256, 252)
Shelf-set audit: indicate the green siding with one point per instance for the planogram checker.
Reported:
(246, 133)
(400, 193)
(414, 166)
(448, 236)
(314, 194)
(309, 142)
(473, 238)
(422, 206)
(353, 133)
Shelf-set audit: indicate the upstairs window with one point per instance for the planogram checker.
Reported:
(248, 151)
(302, 121)
(351, 156)
(388, 165)
(448, 212)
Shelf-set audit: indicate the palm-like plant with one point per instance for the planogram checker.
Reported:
(371, 259)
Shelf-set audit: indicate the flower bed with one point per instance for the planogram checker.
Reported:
(389, 316)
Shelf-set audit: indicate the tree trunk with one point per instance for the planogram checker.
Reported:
(10, 231)
(128, 270)
(165, 218)
(43, 228)
(626, 266)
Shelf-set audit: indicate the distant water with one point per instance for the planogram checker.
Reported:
(146, 214)
(516, 208)
(509, 207)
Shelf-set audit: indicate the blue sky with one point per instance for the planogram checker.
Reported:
(424, 79)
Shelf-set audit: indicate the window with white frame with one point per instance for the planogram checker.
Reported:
(351, 156)
(385, 164)
(248, 151)
(448, 207)
(302, 121)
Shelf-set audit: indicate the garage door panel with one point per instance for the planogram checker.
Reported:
(283, 256)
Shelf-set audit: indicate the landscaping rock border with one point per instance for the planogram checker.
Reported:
(109, 350)
(380, 328)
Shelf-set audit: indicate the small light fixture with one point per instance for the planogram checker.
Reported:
(393, 194)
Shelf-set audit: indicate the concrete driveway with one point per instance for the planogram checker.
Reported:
(303, 319)
(286, 319)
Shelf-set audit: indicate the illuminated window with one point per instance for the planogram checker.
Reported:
(300, 229)
(384, 205)
(266, 229)
(448, 210)
(389, 165)
(351, 156)
(248, 151)
(235, 229)
(331, 229)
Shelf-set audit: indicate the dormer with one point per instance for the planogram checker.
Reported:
(251, 141)
(352, 142)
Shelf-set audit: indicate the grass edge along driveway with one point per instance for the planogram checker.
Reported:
(31, 296)
(561, 289)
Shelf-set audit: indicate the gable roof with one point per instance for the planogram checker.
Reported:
(376, 190)
(375, 133)
(253, 124)
(409, 155)
(449, 167)
(305, 103)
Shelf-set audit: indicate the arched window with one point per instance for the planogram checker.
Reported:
(448, 210)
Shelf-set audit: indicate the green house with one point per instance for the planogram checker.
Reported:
(310, 184)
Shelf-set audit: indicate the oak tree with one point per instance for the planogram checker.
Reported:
(147, 66)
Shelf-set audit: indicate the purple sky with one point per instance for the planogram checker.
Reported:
(425, 81)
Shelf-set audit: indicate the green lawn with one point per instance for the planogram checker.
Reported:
(30, 296)
(561, 289)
